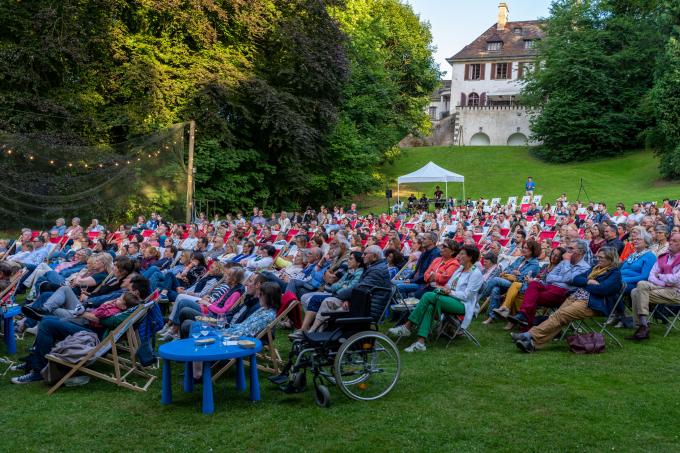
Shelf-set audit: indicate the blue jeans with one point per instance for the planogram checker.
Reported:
(298, 287)
(38, 303)
(407, 288)
(497, 286)
(50, 331)
(181, 305)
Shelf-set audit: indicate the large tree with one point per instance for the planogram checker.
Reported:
(596, 68)
(296, 101)
(666, 136)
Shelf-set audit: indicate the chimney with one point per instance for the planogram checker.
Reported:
(502, 16)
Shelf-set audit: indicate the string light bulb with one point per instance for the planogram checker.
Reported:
(51, 162)
(30, 157)
(9, 151)
(70, 164)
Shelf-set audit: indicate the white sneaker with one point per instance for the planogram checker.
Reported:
(169, 336)
(399, 331)
(32, 330)
(416, 347)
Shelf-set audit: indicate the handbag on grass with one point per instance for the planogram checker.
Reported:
(586, 343)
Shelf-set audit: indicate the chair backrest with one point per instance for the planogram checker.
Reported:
(360, 302)
(512, 201)
(7, 295)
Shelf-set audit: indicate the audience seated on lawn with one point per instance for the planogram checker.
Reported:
(68, 267)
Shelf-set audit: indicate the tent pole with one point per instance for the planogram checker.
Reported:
(464, 192)
(398, 193)
(446, 184)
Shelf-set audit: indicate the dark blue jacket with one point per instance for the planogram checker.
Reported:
(423, 263)
(375, 275)
(602, 296)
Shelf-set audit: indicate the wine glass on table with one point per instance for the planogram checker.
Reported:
(195, 333)
(221, 322)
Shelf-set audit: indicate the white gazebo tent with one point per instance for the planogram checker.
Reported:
(431, 172)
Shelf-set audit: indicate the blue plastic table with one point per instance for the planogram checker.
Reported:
(8, 327)
(186, 351)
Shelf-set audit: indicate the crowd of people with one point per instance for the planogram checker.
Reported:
(534, 265)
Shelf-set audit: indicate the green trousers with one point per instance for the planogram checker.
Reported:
(432, 305)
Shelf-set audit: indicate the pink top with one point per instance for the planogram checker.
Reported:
(669, 279)
(215, 308)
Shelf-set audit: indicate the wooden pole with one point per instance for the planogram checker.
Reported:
(190, 172)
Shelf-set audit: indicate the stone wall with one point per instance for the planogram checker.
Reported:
(500, 125)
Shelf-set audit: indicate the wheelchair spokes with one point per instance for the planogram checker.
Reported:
(367, 366)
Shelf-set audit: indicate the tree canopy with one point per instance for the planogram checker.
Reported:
(295, 100)
(595, 74)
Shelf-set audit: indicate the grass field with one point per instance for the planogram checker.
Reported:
(463, 398)
(501, 172)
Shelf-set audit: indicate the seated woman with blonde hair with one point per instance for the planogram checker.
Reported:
(598, 290)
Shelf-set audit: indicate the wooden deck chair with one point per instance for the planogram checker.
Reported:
(269, 360)
(108, 352)
(8, 293)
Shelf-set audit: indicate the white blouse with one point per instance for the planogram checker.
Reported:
(465, 287)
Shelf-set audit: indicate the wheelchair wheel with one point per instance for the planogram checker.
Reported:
(322, 396)
(367, 366)
(299, 380)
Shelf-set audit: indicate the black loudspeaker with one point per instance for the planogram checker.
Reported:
(388, 193)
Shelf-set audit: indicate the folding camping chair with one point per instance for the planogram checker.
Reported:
(269, 361)
(450, 326)
(108, 352)
(669, 316)
(582, 325)
(602, 326)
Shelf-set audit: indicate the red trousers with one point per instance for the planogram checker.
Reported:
(544, 295)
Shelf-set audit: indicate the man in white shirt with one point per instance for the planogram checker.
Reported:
(284, 221)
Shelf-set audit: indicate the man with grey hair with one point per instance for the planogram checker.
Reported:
(557, 286)
(430, 251)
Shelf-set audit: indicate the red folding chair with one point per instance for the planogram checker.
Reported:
(547, 235)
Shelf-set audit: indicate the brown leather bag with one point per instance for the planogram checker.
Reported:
(586, 343)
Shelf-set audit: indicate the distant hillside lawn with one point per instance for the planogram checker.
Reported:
(500, 171)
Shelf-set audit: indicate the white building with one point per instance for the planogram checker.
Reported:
(486, 80)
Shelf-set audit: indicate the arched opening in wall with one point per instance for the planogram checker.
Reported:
(480, 139)
(473, 100)
(517, 139)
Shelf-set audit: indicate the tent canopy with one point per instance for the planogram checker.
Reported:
(431, 173)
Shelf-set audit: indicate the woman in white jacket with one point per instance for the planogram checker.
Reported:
(457, 297)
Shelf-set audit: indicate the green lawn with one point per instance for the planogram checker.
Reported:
(501, 172)
(463, 398)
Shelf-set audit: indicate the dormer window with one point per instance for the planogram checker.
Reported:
(517, 31)
(494, 46)
(529, 43)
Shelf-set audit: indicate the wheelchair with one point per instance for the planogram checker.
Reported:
(350, 354)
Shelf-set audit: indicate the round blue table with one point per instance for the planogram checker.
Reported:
(186, 351)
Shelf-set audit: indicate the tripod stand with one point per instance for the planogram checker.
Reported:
(582, 188)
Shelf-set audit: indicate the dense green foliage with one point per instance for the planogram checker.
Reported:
(666, 136)
(596, 72)
(295, 100)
